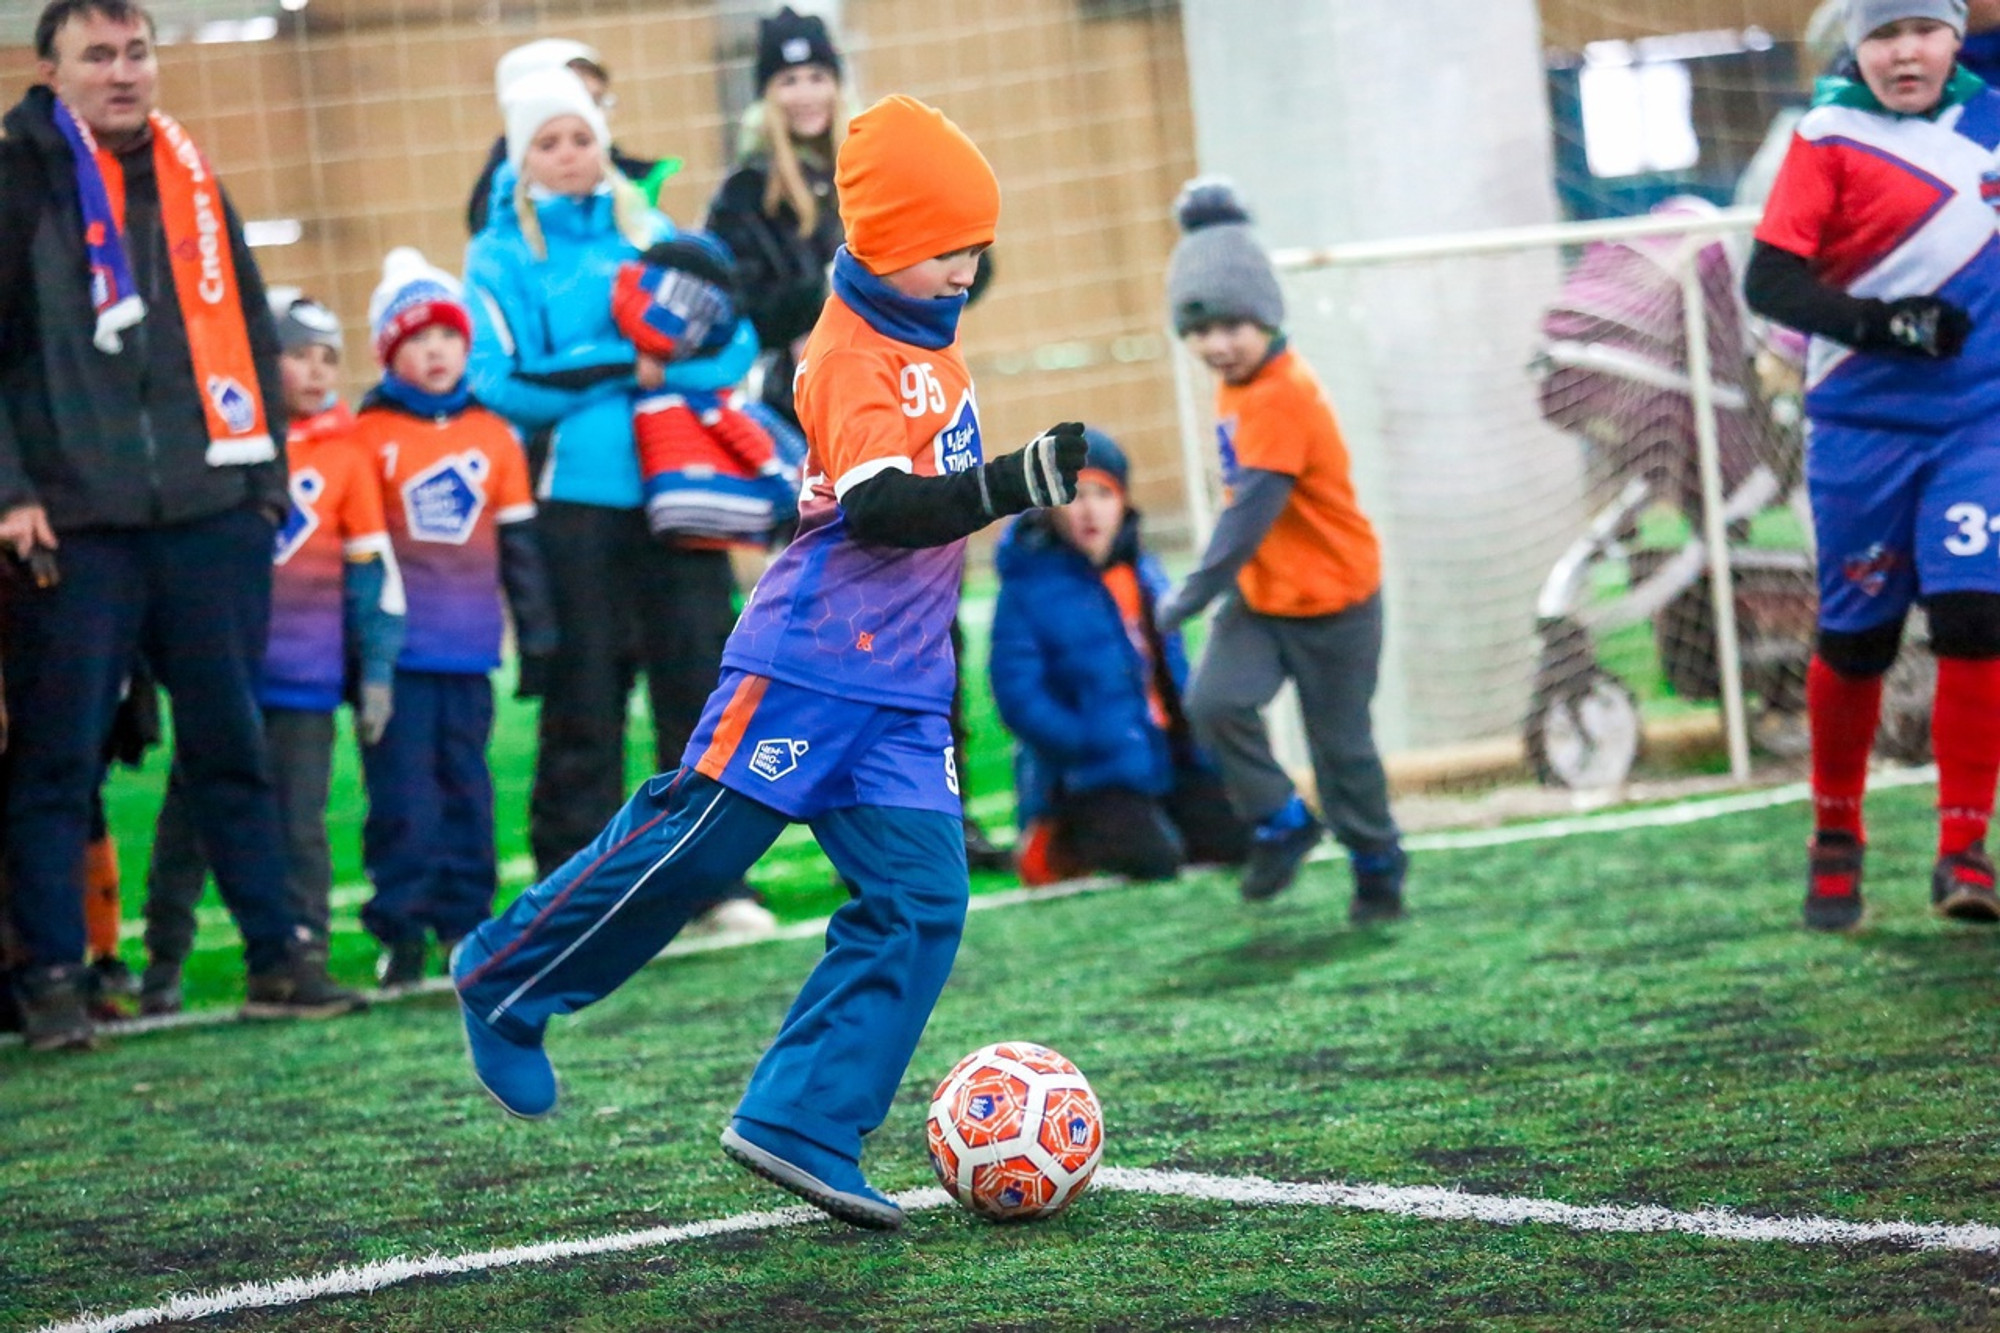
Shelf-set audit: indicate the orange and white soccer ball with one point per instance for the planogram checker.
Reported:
(1015, 1132)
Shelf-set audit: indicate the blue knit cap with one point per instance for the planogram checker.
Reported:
(1105, 456)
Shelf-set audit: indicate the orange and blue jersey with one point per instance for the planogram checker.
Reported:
(335, 518)
(1889, 206)
(450, 480)
(882, 386)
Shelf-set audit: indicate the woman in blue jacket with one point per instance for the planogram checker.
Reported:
(1107, 776)
(546, 355)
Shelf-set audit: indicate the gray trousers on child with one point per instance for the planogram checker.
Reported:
(1333, 660)
(301, 749)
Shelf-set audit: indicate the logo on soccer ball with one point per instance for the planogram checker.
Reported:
(1015, 1132)
(771, 760)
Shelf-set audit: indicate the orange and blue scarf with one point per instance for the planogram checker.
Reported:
(204, 277)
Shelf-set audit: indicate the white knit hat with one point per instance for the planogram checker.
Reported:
(413, 295)
(548, 53)
(533, 100)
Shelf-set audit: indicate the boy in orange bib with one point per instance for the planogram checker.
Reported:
(1298, 567)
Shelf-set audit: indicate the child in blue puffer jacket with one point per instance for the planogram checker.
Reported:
(1107, 774)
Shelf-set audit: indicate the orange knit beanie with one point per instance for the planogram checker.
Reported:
(912, 187)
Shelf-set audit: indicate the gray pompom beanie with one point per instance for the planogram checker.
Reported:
(1219, 272)
(1865, 16)
(302, 321)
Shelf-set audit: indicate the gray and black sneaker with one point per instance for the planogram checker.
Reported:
(1962, 887)
(1833, 882)
(299, 987)
(160, 989)
(402, 962)
(1275, 860)
(55, 1007)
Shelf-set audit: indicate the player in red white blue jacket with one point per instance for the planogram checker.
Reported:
(1881, 239)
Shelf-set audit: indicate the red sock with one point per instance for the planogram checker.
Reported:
(1965, 736)
(1843, 711)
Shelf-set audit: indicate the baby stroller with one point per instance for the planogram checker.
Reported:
(1613, 372)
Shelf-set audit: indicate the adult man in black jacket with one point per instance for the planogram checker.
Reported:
(160, 527)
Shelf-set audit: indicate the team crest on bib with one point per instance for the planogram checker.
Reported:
(1225, 445)
(956, 448)
(771, 760)
(233, 403)
(301, 521)
(443, 502)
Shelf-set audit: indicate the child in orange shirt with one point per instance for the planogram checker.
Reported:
(1297, 563)
(833, 704)
(461, 518)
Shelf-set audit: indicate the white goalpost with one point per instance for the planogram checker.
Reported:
(1553, 591)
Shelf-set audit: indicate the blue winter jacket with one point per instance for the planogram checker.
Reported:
(1070, 683)
(543, 343)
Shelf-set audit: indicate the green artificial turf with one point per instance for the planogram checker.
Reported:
(1628, 1018)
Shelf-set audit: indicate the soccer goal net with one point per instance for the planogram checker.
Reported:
(1555, 431)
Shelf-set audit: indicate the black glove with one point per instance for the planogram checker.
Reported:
(531, 680)
(1038, 476)
(1913, 326)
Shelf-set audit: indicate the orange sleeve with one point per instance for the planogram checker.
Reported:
(1268, 434)
(361, 499)
(511, 492)
(857, 421)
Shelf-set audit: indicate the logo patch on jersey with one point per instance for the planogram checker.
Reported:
(1870, 570)
(771, 760)
(233, 403)
(301, 520)
(956, 448)
(951, 769)
(1225, 445)
(443, 502)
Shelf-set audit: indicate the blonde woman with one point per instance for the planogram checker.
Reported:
(547, 356)
(777, 210)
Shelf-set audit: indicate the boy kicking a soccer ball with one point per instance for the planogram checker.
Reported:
(833, 704)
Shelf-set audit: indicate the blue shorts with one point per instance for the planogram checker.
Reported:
(803, 752)
(1902, 514)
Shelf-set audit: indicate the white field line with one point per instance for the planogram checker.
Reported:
(1428, 1202)
(1659, 816)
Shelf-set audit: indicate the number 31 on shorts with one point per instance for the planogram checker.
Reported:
(1975, 528)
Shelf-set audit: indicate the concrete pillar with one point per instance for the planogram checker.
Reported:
(1352, 120)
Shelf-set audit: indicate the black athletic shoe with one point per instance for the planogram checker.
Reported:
(1833, 882)
(981, 852)
(299, 987)
(112, 988)
(160, 989)
(1275, 860)
(1378, 886)
(1962, 887)
(402, 963)
(55, 1008)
